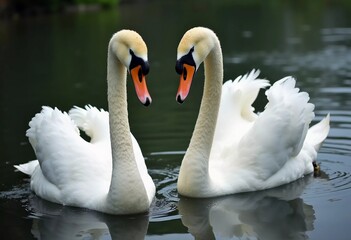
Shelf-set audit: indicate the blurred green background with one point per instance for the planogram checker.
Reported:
(11, 8)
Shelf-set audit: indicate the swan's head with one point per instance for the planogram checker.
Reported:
(131, 51)
(193, 48)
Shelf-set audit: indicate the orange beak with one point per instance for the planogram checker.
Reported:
(140, 85)
(186, 79)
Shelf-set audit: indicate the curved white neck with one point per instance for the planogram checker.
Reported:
(126, 179)
(194, 168)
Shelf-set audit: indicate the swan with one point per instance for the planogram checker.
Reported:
(233, 149)
(107, 174)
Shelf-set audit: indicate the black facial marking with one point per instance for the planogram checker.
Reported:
(137, 61)
(186, 59)
(179, 67)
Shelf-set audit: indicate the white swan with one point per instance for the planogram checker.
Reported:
(233, 149)
(107, 174)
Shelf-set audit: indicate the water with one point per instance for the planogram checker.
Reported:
(60, 60)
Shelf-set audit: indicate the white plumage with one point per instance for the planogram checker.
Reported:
(107, 173)
(233, 149)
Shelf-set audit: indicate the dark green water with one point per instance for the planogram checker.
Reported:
(60, 61)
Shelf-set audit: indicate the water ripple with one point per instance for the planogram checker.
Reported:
(16, 193)
(335, 179)
(165, 178)
(333, 35)
(330, 185)
(333, 58)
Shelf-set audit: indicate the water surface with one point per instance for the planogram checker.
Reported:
(60, 60)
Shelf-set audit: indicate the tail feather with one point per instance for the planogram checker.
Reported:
(27, 168)
(318, 132)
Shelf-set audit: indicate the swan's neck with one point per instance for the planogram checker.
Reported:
(126, 186)
(194, 168)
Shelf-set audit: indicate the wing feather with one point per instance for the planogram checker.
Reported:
(236, 113)
(281, 128)
(64, 156)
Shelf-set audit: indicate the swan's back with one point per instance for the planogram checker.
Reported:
(68, 164)
(252, 152)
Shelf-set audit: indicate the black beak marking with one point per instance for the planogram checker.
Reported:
(185, 73)
(147, 102)
(140, 75)
(179, 99)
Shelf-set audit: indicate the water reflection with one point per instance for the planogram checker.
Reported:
(278, 213)
(53, 221)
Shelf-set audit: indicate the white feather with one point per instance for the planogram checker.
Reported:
(75, 172)
(243, 151)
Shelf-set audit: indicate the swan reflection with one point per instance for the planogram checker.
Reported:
(277, 213)
(53, 221)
